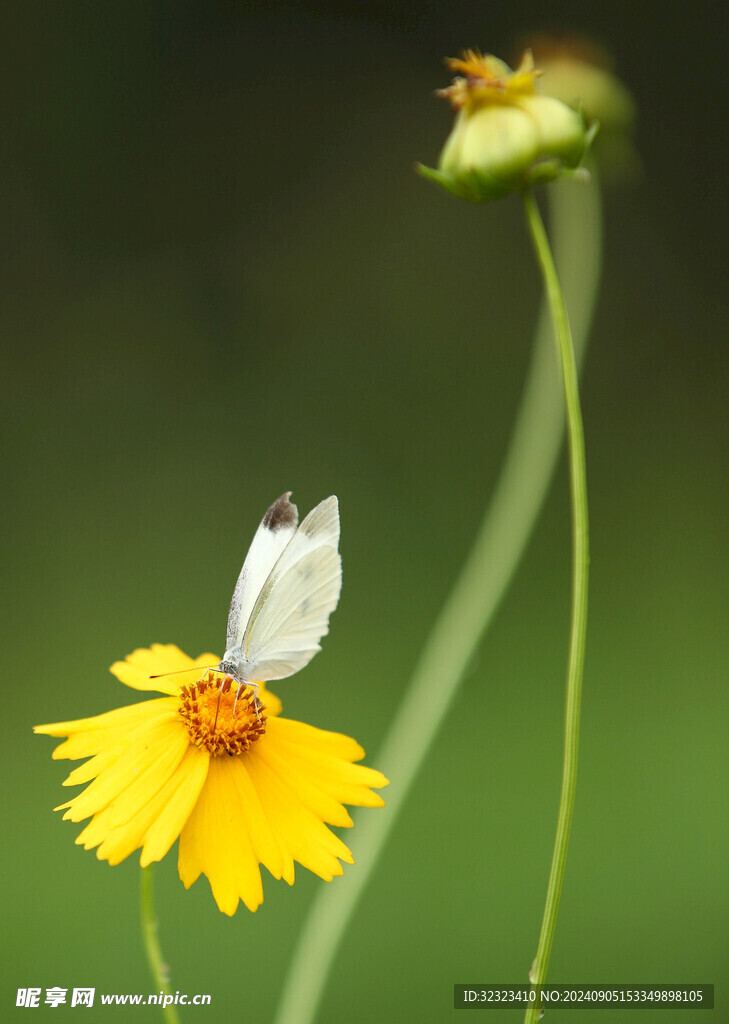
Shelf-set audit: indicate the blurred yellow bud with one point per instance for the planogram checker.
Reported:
(508, 134)
(579, 73)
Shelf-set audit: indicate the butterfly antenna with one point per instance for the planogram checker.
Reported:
(177, 671)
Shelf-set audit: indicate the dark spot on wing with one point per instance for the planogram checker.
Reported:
(281, 513)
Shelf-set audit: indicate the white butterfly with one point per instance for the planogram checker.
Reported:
(287, 589)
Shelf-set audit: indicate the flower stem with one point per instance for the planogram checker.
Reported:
(580, 564)
(158, 967)
(469, 608)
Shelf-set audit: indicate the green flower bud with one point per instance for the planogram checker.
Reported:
(507, 134)
(561, 130)
(579, 73)
(487, 149)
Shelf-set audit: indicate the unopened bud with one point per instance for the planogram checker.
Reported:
(508, 134)
(578, 72)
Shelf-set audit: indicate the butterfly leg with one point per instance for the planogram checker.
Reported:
(257, 703)
(253, 686)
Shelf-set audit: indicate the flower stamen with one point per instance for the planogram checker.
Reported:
(221, 715)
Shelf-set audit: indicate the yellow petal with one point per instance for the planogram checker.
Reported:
(292, 773)
(140, 665)
(334, 743)
(88, 736)
(175, 804)
(145, 746)
(95, 832)
(103, 741)
(216, 842)
(301, 834)
(93, 767)
(345, 782)
(159, 822)
(164, 756)
(265, 844)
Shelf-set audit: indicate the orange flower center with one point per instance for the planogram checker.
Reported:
(219, 716)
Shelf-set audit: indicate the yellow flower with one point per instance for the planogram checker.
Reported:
(237, 783)
(508, 134)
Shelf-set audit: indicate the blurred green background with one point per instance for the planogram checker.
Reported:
(221, 280)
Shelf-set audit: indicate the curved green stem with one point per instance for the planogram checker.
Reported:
(525, 477)
(580, 566)
(158, 967)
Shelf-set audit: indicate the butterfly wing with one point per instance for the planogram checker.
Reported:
(276, 530)
(291, 613)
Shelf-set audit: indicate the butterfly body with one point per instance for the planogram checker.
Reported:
(287, 589)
